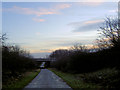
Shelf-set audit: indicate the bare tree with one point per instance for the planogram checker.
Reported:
(109, 33)
(3, 38)
(79, 47)
(57, 54)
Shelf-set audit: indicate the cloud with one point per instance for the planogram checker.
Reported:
(45, 50)
(113, 11)
(64, 44)
(36, 49)
(62, 6)
(38, 11)
(93, 21)
(38, 20)
(29, 11)
(91, 2)
(37, 33)
(86, 25)
(85, 22)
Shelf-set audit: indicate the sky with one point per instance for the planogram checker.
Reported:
(42, 27)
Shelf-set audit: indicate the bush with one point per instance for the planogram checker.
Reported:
(15, 61)
(108, 78)
(82, 61)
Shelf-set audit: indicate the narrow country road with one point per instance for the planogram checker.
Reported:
(47, 79)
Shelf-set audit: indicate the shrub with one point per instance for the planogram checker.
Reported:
(15, 61)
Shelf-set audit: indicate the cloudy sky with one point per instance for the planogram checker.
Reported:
(42, 27)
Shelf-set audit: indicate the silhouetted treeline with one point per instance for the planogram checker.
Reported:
(77, 61)
(15, 61)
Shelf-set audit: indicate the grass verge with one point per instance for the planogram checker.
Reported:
(102, 79)
(74, 80)
(23, 81)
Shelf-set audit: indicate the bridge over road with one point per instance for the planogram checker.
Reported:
(43, 60)
(47, 61)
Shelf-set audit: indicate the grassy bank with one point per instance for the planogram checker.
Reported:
(22, 81)
(105, 78)
(74, 80)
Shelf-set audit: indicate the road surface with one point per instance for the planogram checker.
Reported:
(42, 65)
(47, 79)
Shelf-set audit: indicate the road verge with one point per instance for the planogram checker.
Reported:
(74, 80)
(25, 79)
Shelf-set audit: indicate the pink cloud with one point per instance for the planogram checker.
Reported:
(62, 6)
(38, 11)
(93, 21)
(38, 20)
(29, 11)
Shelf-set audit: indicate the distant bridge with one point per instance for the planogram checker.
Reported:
(47, 61)
(43, 60)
